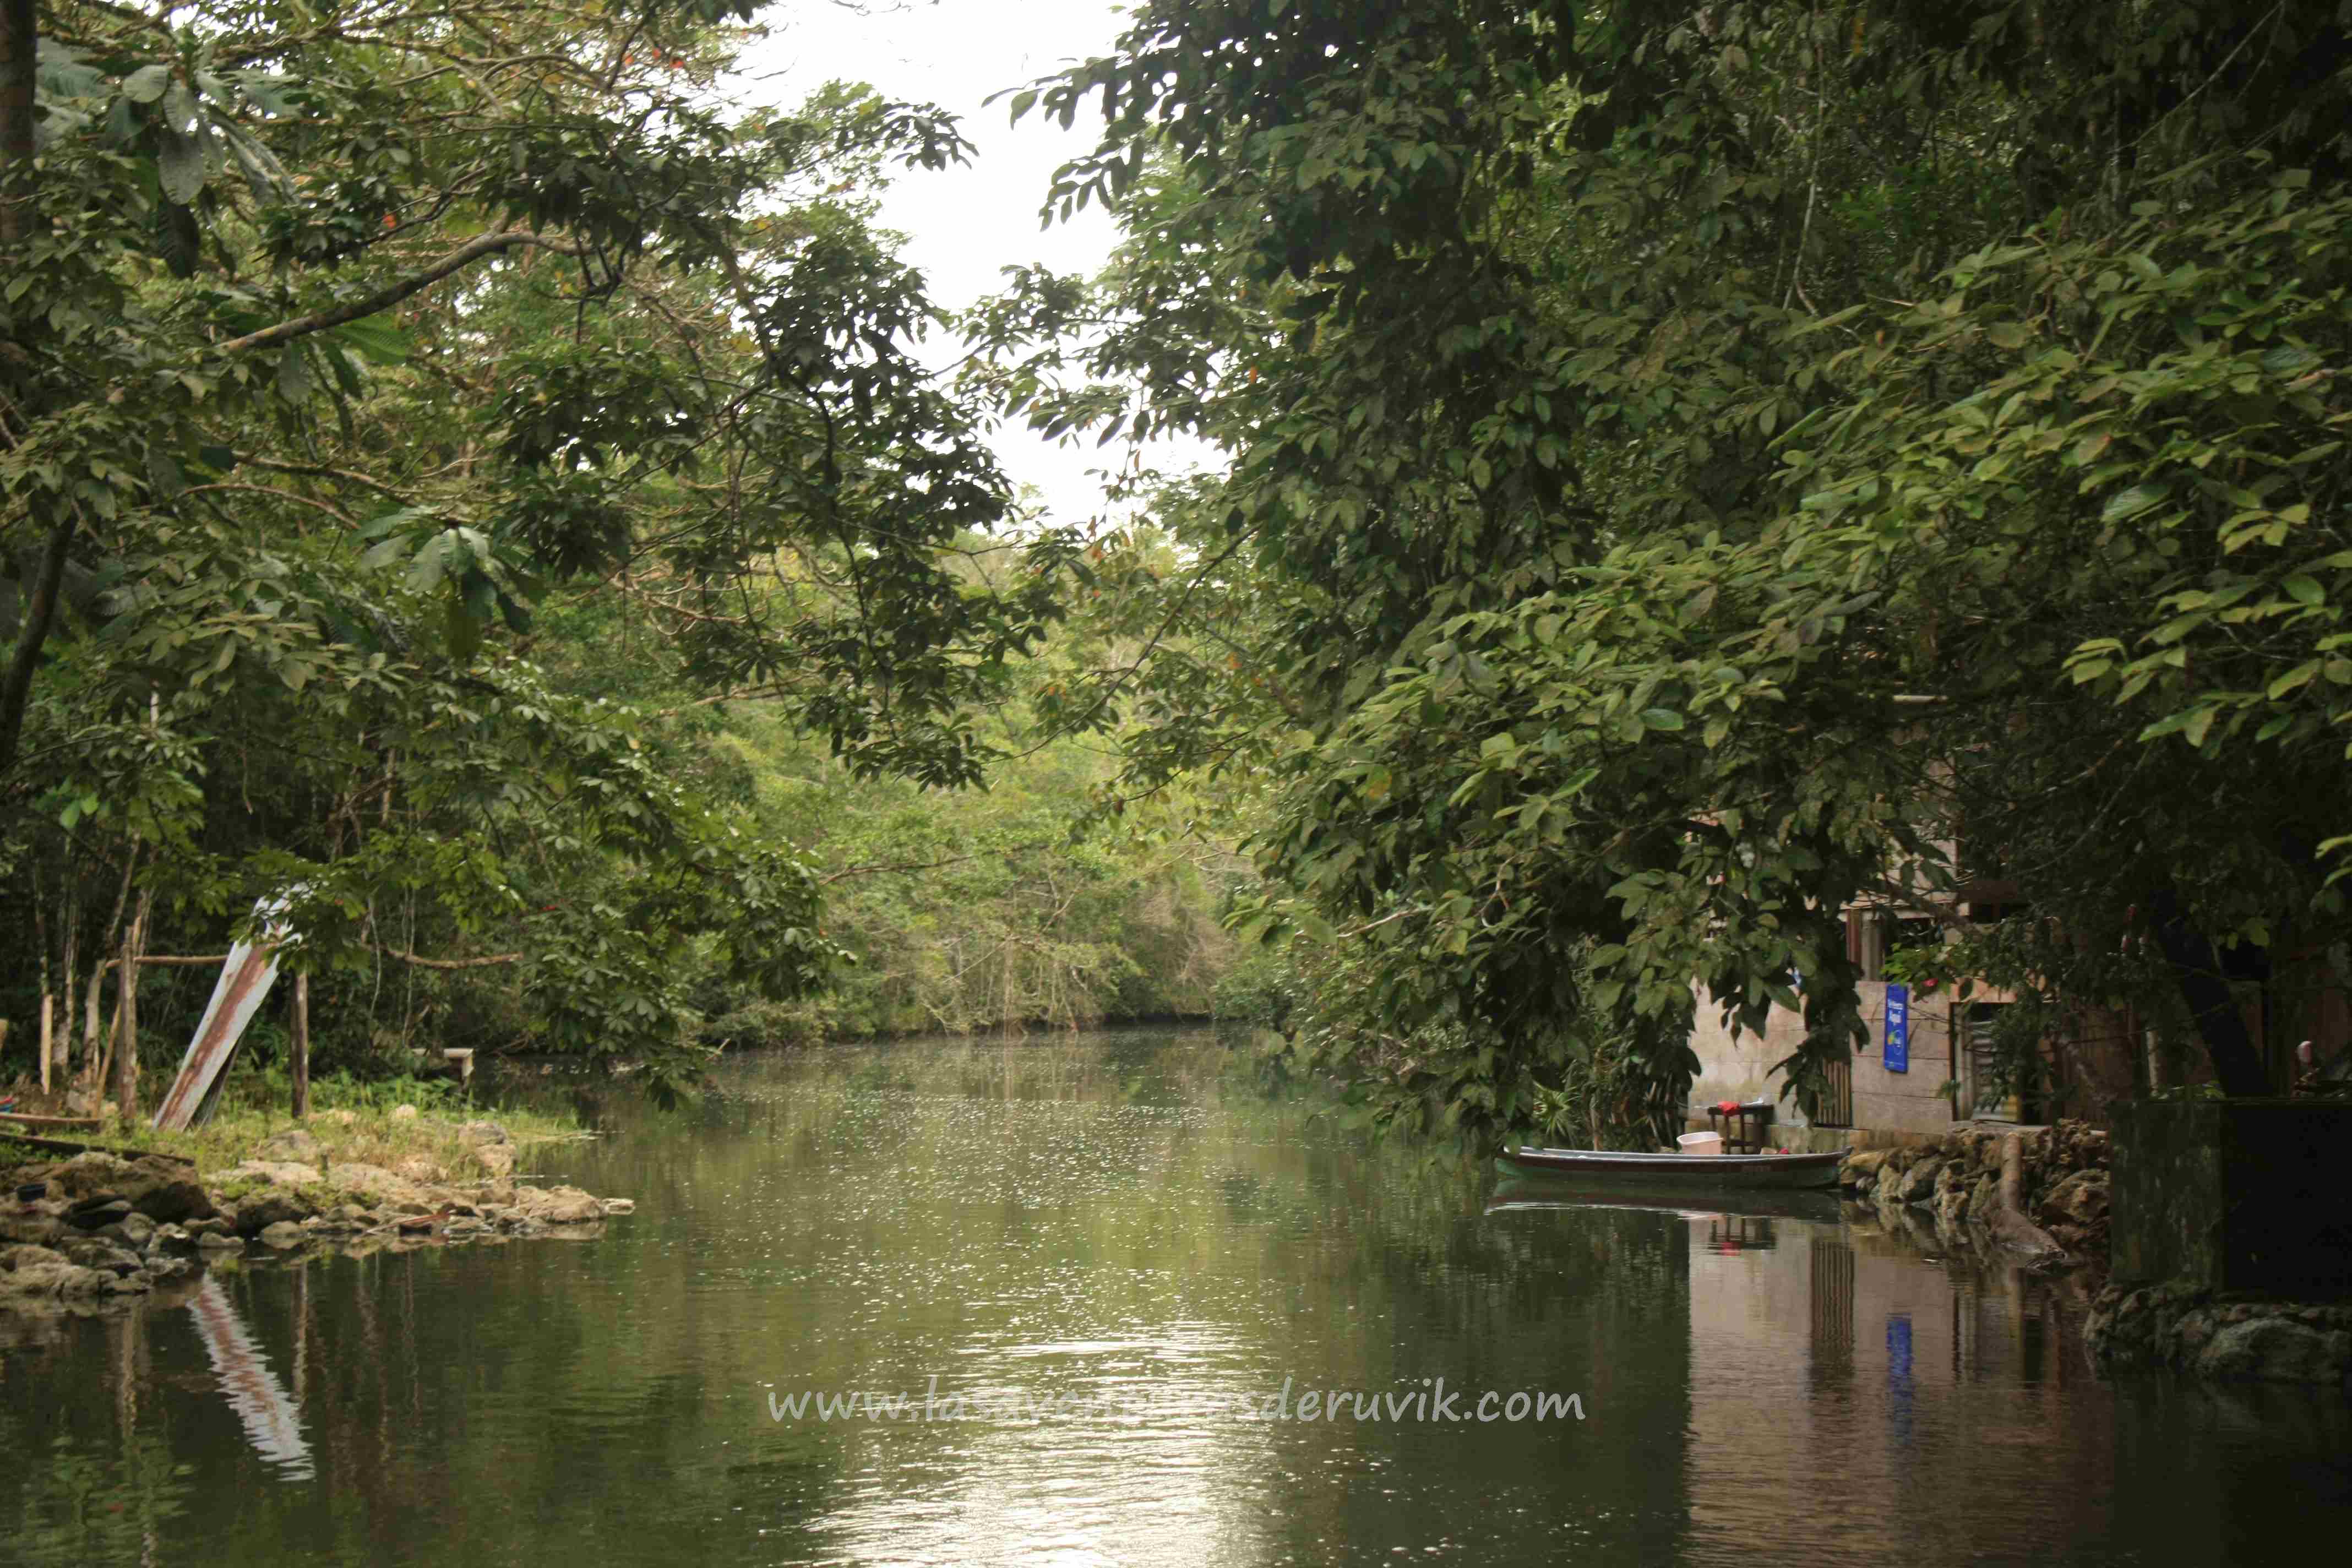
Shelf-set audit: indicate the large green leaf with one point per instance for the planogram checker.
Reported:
(146, 84)
(180, 165)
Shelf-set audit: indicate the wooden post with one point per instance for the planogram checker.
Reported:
(301, 1046)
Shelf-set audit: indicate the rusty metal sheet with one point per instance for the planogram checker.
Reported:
(237, 996)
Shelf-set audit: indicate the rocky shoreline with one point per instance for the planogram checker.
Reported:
(1946, 1192)
(2060, 1215)
(2221, 1336)
(98, 1232)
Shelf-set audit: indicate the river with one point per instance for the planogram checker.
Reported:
(1105, 1273)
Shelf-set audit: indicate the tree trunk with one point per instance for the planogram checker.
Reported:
(93, 1044)
(300, 1049)
(70, 962)
(17, 63)
(126, 1042)
(40, 612)
(126, 1056)
(98, 1068)
(2220, 1022)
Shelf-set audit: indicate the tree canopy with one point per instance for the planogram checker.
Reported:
(1723, 462)
(336, 347)
(1692, 469)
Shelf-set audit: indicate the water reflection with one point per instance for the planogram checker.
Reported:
(1740, 1233)
(1830, 1311)
(97, 1480)
(1514, 1194)
(1121, 1225)
(272, 1424)
(1849, 1372)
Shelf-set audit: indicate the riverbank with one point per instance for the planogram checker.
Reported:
(98, 1230)
(1945, 1193)
(1948, 1190)
(2222, 1336)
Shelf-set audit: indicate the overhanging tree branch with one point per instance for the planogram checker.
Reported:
(423, 963)
(200, 959)
(457, 260)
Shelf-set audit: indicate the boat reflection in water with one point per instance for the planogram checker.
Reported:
(1756, 1203)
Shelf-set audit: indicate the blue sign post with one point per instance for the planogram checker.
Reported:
(1898, 1028)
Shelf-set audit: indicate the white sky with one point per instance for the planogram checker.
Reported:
(965, 225)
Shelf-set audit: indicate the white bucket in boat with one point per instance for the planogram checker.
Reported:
(1701, 1143)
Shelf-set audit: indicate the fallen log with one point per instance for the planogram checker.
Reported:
(26, 1118)
(60, 1146)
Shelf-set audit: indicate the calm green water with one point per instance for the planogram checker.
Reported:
(1114, 1221)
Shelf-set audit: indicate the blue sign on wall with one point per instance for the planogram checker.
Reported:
(1898, 1028)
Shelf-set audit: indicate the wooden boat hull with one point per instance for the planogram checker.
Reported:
(1676, 1172)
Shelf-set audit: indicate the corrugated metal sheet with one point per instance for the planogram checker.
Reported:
(244, 985)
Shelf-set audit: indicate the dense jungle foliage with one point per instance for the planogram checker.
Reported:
(1702, 467)
(1693, 468)
(459, 482)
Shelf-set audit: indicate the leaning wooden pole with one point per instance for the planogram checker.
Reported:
(301, 1046)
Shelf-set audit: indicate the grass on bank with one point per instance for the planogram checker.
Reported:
(353, 1119)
